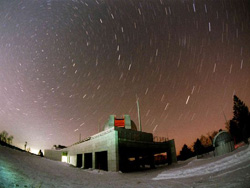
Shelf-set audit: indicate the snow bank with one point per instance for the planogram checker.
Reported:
(209, 168)
(20, 169)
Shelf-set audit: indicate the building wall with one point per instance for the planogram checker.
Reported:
(72, 160)
(104, 141)
(53, 154)
(126, 134)
(172, 152)
(105, 145)
(224, 147)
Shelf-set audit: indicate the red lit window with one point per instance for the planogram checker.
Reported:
(119, 122)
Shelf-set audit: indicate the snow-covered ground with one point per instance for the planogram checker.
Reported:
(20, 169)
(192, 170)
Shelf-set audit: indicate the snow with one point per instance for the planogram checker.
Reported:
(21, 169)
(208, 168)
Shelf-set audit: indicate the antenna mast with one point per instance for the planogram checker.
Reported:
(227, 123)
(138, 110)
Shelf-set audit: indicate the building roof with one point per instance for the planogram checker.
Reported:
(222, 136)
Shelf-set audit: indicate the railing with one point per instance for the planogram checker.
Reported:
(160, 139)
(94, 136)
(134, 135)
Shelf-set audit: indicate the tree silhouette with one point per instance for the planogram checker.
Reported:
(212, 135)
(4, 137)
(10, 139)
(185, 152)
(205, 141)
(235, 131)
(198, 147)
(239, 126)
(25, 145)
(40, 153)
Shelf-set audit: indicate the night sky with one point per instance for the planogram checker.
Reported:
(66, 65)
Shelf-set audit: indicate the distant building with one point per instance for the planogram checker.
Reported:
(119, 147)
(58, 147)
(223, 143)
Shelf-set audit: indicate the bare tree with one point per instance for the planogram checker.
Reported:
(10, 139)
(25, 145)
(4, 136)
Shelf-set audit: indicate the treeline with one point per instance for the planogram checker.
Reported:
(238, 127)
(5, 138)
(201, 146)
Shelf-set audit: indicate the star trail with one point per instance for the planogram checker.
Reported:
(66, 65)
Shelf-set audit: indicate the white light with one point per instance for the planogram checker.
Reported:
(35, 151)
(64, 159)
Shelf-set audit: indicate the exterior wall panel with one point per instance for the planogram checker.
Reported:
(53, 154)
(111, 141)
(104, 141)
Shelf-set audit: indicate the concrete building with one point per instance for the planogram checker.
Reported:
(119, 147)
(223, 143)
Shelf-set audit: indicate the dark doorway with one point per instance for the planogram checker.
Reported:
(101, 160)
(161, 158)
(79, 160)
(87, 160)
(135, 159)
